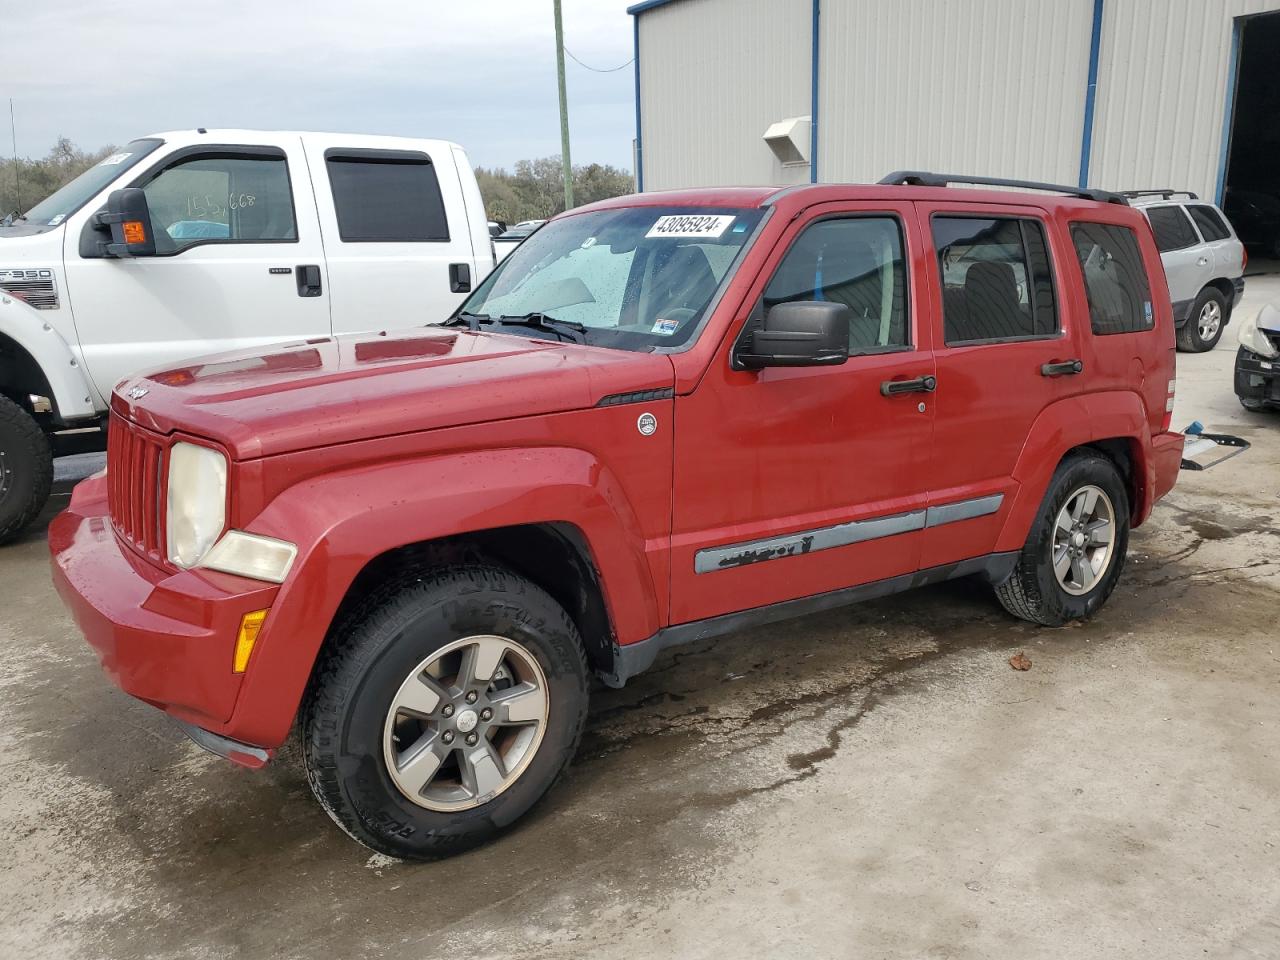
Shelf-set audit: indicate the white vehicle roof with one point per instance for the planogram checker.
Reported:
(1157, 198)
(224, 135)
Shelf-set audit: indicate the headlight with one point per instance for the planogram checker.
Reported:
(1251, 338)
(250, 555)
(197, 501)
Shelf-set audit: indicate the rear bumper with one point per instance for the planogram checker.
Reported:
(1237, 285)
(163, 637)
(1257, 379)
(1163, 467)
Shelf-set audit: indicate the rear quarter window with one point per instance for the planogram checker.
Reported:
(1210, 222)
(1115, 279)
(386, 197)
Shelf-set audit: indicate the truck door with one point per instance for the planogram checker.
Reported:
(796, 481)
(239, 262)
(1002, 355)
(397, 232)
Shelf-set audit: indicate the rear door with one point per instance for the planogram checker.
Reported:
(235, 229)
(398, 242)
(1188, 263)
(1002, 355)
(1228, 252)
(796, 481)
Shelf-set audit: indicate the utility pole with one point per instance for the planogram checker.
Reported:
(17, 175)
(565, 161)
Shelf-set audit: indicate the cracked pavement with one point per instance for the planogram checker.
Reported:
(867, 782)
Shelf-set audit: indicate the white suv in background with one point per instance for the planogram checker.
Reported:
(1204, 263)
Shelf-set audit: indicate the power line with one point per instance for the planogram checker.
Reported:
(598, 69)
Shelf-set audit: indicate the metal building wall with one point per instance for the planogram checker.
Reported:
(1163, 80)
(988, 87)
(713, 75)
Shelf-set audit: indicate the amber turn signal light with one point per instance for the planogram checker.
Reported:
(250, 627)
(134, 232)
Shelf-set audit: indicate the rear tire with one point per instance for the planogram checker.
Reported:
(1062, 573)
(1206, 322)
(26, 469)
(405, 682)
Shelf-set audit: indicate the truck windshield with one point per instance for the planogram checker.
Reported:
(634, 278)
(58, 206)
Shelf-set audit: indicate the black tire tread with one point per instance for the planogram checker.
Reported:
(14, 521)
(345, 657)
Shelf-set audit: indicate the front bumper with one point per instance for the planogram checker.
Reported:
(1257, 379)
(162, 636)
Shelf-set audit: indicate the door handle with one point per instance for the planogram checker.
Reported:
(308, 277)
(459, 278)
(891, 388)
(1063, 368)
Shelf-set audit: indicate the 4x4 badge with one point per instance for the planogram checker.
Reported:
(647, 424)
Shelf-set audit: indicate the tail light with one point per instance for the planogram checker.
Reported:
(1244, 259)
(1168, 406)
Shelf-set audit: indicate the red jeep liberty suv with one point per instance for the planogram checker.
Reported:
(661, 418)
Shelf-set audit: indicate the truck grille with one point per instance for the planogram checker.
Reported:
(135, 485)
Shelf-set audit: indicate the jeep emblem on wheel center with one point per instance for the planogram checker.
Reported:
(647, 424)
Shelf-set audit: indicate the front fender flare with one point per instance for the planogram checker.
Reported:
(342, 521)
(1074, 422)
(72, 394)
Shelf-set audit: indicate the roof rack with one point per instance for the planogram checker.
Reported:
(923, 178)
(1164, 192)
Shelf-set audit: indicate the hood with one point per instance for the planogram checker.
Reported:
(336, 390)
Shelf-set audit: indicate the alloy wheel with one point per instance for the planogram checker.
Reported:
(1083, 540)
(1210, 321)
(466, 723)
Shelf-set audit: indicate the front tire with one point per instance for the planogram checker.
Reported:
(1204, 326)
(449, 703)
(26, 469)
(1076, 548)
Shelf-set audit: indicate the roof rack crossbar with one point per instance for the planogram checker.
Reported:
(1165, 192)
(923, 178)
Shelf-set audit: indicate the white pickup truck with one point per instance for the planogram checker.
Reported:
(201, 241)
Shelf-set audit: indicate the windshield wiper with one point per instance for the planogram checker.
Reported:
(11, 219)
(564, 329)
(471, 321)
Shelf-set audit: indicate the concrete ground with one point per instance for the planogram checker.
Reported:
(871, 782)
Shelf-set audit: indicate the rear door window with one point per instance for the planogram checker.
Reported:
(1209, 221)
(1172, 228)
(1115, 279)
(997, 283)
(386, 196)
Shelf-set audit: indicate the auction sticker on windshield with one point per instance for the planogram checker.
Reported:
(690, 225)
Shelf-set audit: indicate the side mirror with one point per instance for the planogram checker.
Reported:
(129, 219)
(803, 333)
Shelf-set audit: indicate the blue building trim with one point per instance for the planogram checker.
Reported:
(1091, 93)
(813, 104)
(635, 56)
(1233, 72)
(646, 5)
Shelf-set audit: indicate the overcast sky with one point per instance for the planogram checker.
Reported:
(480, 72)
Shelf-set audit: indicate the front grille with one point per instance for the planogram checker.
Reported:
(135, 485)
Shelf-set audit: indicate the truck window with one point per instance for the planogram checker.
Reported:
(228, 199)
(386, 197)
(997, 283)
(856, 261)
(1114, 278)
(1172, 229)
(1209, 221)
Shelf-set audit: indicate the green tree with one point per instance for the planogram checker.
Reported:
(533, 189)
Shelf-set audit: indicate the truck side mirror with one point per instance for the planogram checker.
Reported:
(129, 219)
(802, 333)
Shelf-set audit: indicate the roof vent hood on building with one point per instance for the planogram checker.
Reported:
(789, 140)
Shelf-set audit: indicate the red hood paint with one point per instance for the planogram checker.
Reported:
(335, 390)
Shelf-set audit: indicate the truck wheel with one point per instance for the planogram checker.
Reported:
(449, 704)
(26, 469)
(1204, 326)
(1076, 548)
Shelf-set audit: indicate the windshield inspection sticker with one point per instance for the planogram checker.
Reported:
(115, 158)
(665, 327)
(698, 225)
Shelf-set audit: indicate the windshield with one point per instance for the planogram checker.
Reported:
(54, 209)
(633, 277)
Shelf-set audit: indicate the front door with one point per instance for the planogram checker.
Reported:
(791, 482)
(238, 262)
(1002, 356)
